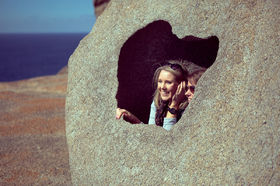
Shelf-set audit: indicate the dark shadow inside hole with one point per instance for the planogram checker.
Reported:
(144, 51)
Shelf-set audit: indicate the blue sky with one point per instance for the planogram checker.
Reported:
(45, 16)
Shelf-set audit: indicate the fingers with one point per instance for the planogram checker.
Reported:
(181, 88)
(178, 89)
(179, 96)
(127, 116)
(184, 85)
(120, 112)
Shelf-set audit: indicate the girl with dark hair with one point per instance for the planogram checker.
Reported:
(192, 81)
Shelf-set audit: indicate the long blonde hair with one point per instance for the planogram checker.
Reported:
(180, 73)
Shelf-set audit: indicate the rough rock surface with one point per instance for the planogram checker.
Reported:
(230, 133)
(33, 146)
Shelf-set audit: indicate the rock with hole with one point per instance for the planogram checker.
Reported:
(229, 134)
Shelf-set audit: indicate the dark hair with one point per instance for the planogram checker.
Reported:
(195, 76)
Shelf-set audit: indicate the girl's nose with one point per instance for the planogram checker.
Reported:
(188, 93)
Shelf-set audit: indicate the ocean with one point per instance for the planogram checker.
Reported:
(25, 56)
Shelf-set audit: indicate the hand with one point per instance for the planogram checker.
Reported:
(179, 95)
(127, 116)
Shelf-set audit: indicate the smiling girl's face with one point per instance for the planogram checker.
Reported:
(167, 85)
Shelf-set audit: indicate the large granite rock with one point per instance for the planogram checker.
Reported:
(229, 134)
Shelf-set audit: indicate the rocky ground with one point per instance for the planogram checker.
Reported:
(33, 147)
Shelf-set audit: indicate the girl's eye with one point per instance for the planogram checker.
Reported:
(159, 81)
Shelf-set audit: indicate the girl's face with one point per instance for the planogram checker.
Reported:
(190, 90)
(167, 85)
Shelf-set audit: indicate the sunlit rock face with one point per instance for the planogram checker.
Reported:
(229, 134)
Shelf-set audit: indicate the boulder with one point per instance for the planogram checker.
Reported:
(230, 132)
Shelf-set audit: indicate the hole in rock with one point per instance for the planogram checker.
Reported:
(146, 50)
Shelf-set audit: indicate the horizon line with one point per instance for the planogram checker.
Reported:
(44, 32)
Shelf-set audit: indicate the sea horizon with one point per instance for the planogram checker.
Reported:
(27, 55)
(37, 33)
